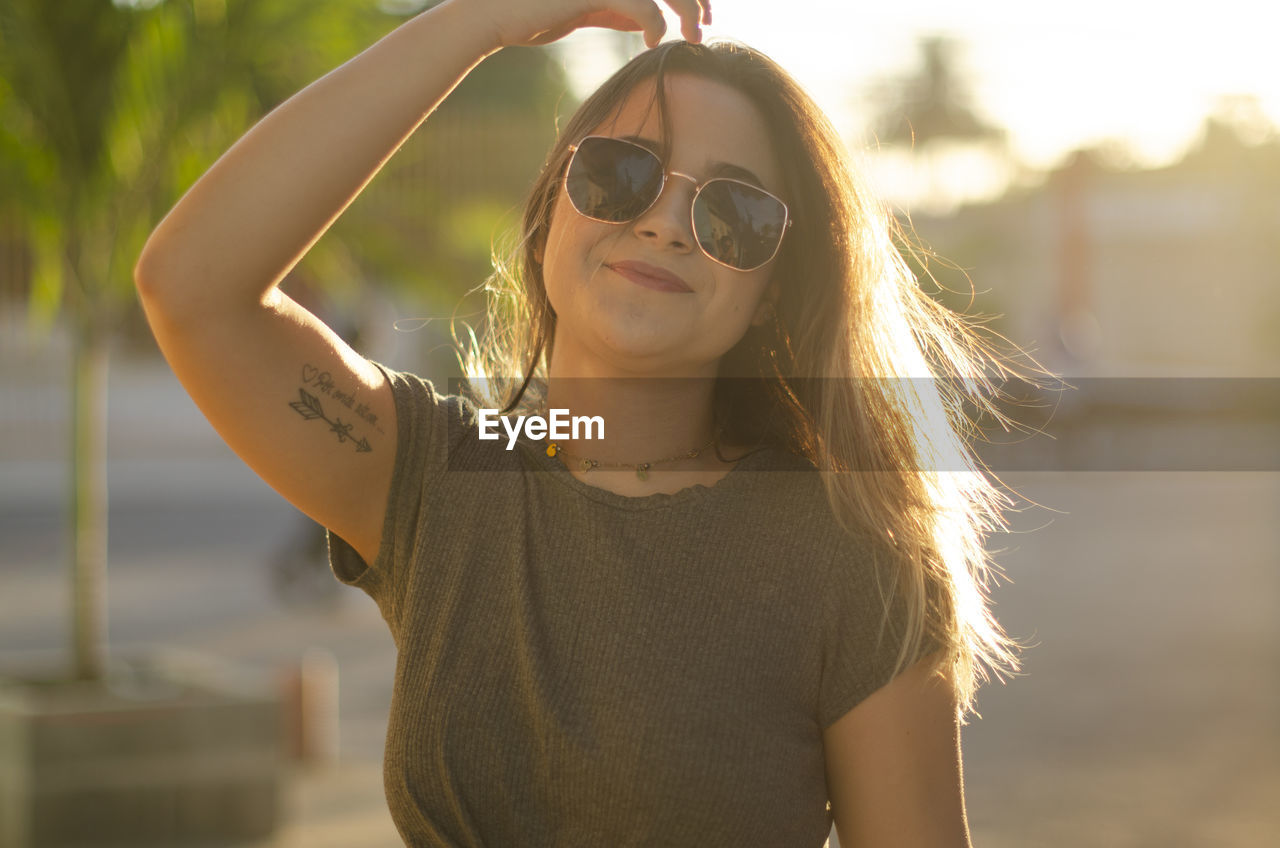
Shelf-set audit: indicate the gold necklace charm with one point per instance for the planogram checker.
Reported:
(641, 468)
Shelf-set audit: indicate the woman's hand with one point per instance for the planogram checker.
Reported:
(532, 22)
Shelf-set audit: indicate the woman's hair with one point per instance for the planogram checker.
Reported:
(862, 373)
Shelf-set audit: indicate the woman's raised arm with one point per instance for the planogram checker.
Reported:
(313, 418)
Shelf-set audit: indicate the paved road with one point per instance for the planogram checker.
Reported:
(1149, 714)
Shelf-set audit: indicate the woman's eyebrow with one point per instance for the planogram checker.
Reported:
(718, 169)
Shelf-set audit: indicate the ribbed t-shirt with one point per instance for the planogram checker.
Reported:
(581, 668)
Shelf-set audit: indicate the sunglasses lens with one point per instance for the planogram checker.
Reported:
(738, 225)
(612, 180)
(616, 181)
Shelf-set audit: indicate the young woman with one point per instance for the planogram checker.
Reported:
(754, 602)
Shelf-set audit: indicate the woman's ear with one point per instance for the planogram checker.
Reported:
(767, 308)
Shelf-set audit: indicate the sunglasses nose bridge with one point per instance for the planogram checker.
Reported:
(680, 212)
(666, 181)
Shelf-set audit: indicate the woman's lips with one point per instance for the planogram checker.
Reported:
(650, 276)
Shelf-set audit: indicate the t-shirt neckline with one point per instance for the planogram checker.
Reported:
(536, 457)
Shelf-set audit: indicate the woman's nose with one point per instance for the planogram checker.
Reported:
(668, 221)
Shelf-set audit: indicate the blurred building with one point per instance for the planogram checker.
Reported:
(1108, 270)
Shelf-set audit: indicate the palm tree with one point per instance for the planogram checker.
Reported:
(109, 109)
(931, 109)
(932, 104)
(60, 65)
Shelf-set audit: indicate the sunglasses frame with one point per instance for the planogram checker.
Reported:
(787, 221)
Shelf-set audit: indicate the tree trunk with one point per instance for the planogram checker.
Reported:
(88, 492)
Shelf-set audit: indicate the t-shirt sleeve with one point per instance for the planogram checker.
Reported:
(422, 426)
(860, 644)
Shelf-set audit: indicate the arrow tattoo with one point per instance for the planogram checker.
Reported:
(309, 408)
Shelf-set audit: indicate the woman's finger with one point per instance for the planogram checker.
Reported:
(645, 13)
(690, 12)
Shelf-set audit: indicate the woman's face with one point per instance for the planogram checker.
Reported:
(606, 321)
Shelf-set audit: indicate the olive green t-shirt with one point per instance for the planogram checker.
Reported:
(579, 668)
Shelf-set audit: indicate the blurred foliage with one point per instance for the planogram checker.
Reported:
(430, 220)
(110, 110)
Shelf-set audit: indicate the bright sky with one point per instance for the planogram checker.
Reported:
(1058, 75)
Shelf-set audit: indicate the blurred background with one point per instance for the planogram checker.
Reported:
(1100, 182)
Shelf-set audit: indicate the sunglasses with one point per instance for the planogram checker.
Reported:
(736, 224)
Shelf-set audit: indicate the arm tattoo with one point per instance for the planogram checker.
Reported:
(308, 406)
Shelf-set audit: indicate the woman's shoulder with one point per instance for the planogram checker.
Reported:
(442, 397)
(439, 430)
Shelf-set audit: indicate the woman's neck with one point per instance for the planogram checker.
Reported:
(645, 419)
(648, 420)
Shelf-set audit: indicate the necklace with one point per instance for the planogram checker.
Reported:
(641, 468)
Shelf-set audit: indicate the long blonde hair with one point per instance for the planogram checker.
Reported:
(862, 373)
